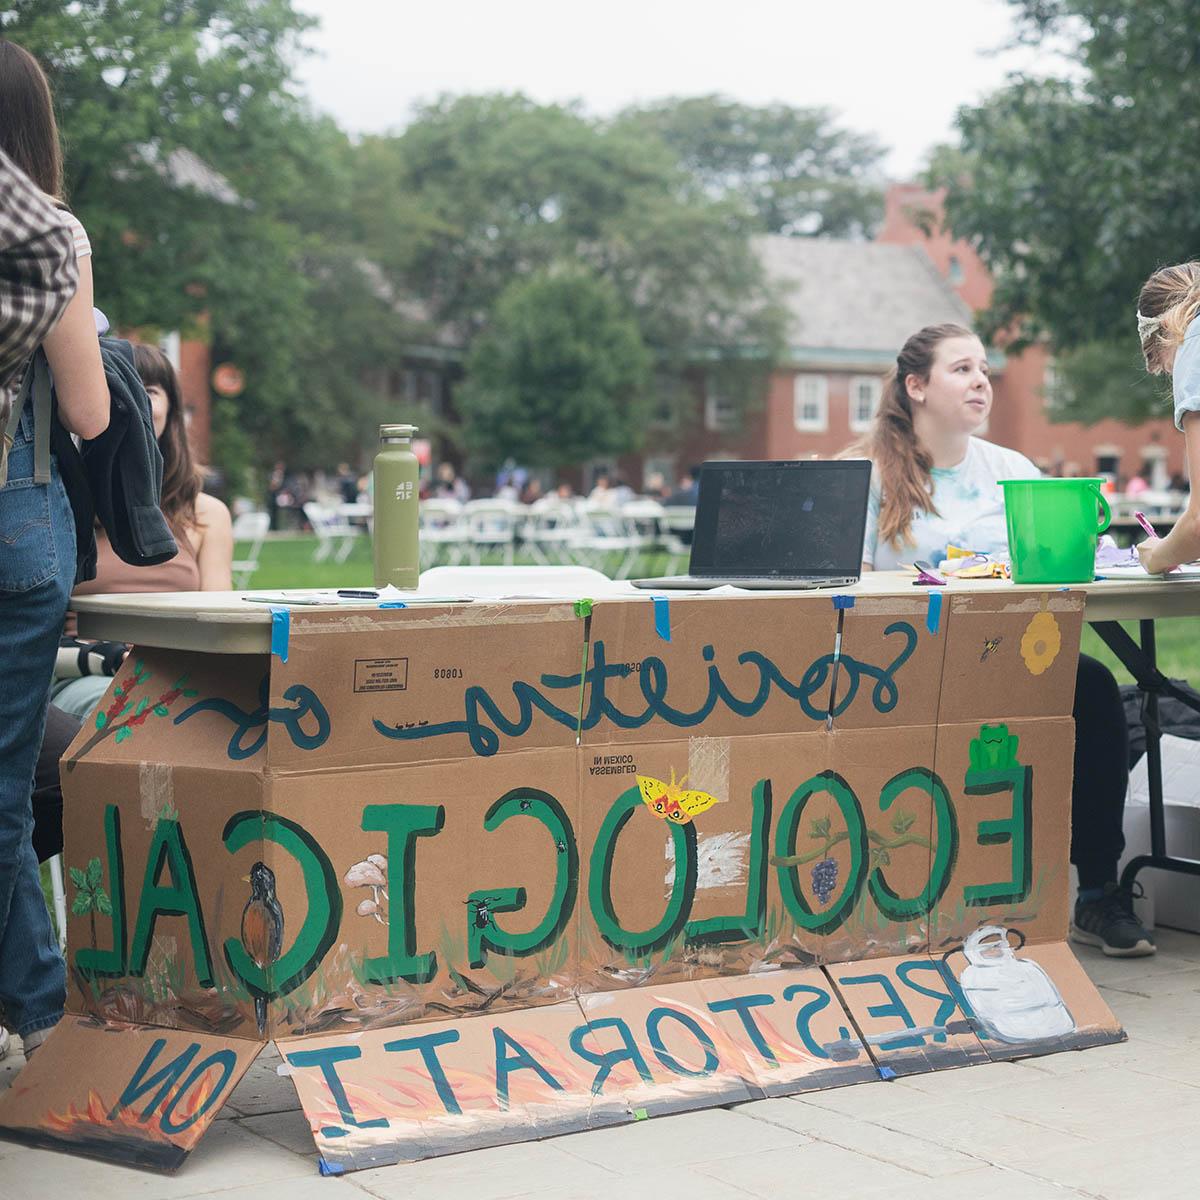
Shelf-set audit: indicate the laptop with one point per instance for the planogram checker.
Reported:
(777, 525)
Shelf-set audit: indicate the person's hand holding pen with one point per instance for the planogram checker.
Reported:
(1150, 551)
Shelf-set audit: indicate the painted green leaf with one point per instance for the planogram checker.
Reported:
(78, 878)
(142, 705)
(95, 873)
(101, 720)
(103, 903)
(83, 904)
(123, 733)
(160, 710)
(190, 692)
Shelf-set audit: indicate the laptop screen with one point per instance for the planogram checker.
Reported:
(781, 518)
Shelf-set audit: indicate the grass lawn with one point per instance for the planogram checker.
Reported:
(287, 561)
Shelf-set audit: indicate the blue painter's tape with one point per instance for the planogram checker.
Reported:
(662, 617)
(933, 614)
(886, 1073)
(281, 630)
(843, 602)
(328, 1168)
(393, 604)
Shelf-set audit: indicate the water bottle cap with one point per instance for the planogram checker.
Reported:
(397, 431)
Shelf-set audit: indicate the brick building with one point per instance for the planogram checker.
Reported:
(1020, 416)
(851, 305)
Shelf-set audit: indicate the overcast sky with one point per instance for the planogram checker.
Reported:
(895, 68)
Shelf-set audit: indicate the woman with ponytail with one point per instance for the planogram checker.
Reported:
(935, 484)
(1168, 320)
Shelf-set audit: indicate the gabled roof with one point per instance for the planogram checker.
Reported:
(855, 302)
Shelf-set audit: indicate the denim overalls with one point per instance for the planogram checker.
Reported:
(37, 571)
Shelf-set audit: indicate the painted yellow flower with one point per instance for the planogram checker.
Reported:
(1041, 642)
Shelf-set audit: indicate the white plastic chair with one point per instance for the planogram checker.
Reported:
(442, 531)
(250, 527)
(330, 528)
(549, 527)
(491, 525)
(679, 520)
(605, 532)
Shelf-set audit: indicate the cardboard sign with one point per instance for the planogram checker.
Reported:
(491, 871)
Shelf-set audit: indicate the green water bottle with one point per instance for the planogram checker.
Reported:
(397, 500)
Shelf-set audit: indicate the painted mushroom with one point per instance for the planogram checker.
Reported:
(368, 874)
(368, 908)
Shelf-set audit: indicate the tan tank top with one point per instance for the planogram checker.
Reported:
(179, 574)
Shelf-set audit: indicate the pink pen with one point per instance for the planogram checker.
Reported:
(1144, 522)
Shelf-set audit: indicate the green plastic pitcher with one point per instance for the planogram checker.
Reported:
(1053, 527)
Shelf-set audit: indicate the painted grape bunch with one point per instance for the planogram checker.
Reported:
(824, 879)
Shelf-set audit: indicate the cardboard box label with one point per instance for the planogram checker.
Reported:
(383, 674)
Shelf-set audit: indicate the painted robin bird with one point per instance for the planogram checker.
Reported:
(262, 929)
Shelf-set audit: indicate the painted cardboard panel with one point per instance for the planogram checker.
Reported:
(801, 849)
(891, 661)
(455, 889)
(672, 899)
(909, 1012)
(1041, 1002)
(461, 682)
(713, 867)
(391, 1096)
(387, 1096)
(792, 1031)
(188, 709)
(670, 1052)
(156, 894)
(1011, 655)
(993, 998)
(146, 1098)
(1012, 786)
(663, 668)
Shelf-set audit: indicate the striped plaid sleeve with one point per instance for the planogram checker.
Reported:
(38, 270)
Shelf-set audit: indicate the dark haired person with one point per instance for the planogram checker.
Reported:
(1168, 317)
(200, 522)
(936, 484)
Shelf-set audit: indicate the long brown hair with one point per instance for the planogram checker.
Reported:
(1173, 295)
(181, 477)
(28, 131)
(903, 465)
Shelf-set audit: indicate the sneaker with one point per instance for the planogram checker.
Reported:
(1110, 924)
(31, 1041)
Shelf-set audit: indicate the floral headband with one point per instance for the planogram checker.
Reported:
(1147, 326)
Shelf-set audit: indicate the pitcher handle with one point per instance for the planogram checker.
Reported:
(1107, 517)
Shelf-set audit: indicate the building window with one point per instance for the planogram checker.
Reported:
(810, 403)
(720, 411)
(865, 391)
(954, 272)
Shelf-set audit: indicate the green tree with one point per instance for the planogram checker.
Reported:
(1074, 189)
(90, 896)
(560, 375)
(499, 188)
(795, 169)
(217, 204)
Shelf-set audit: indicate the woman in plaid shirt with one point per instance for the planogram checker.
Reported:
(38, 281)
